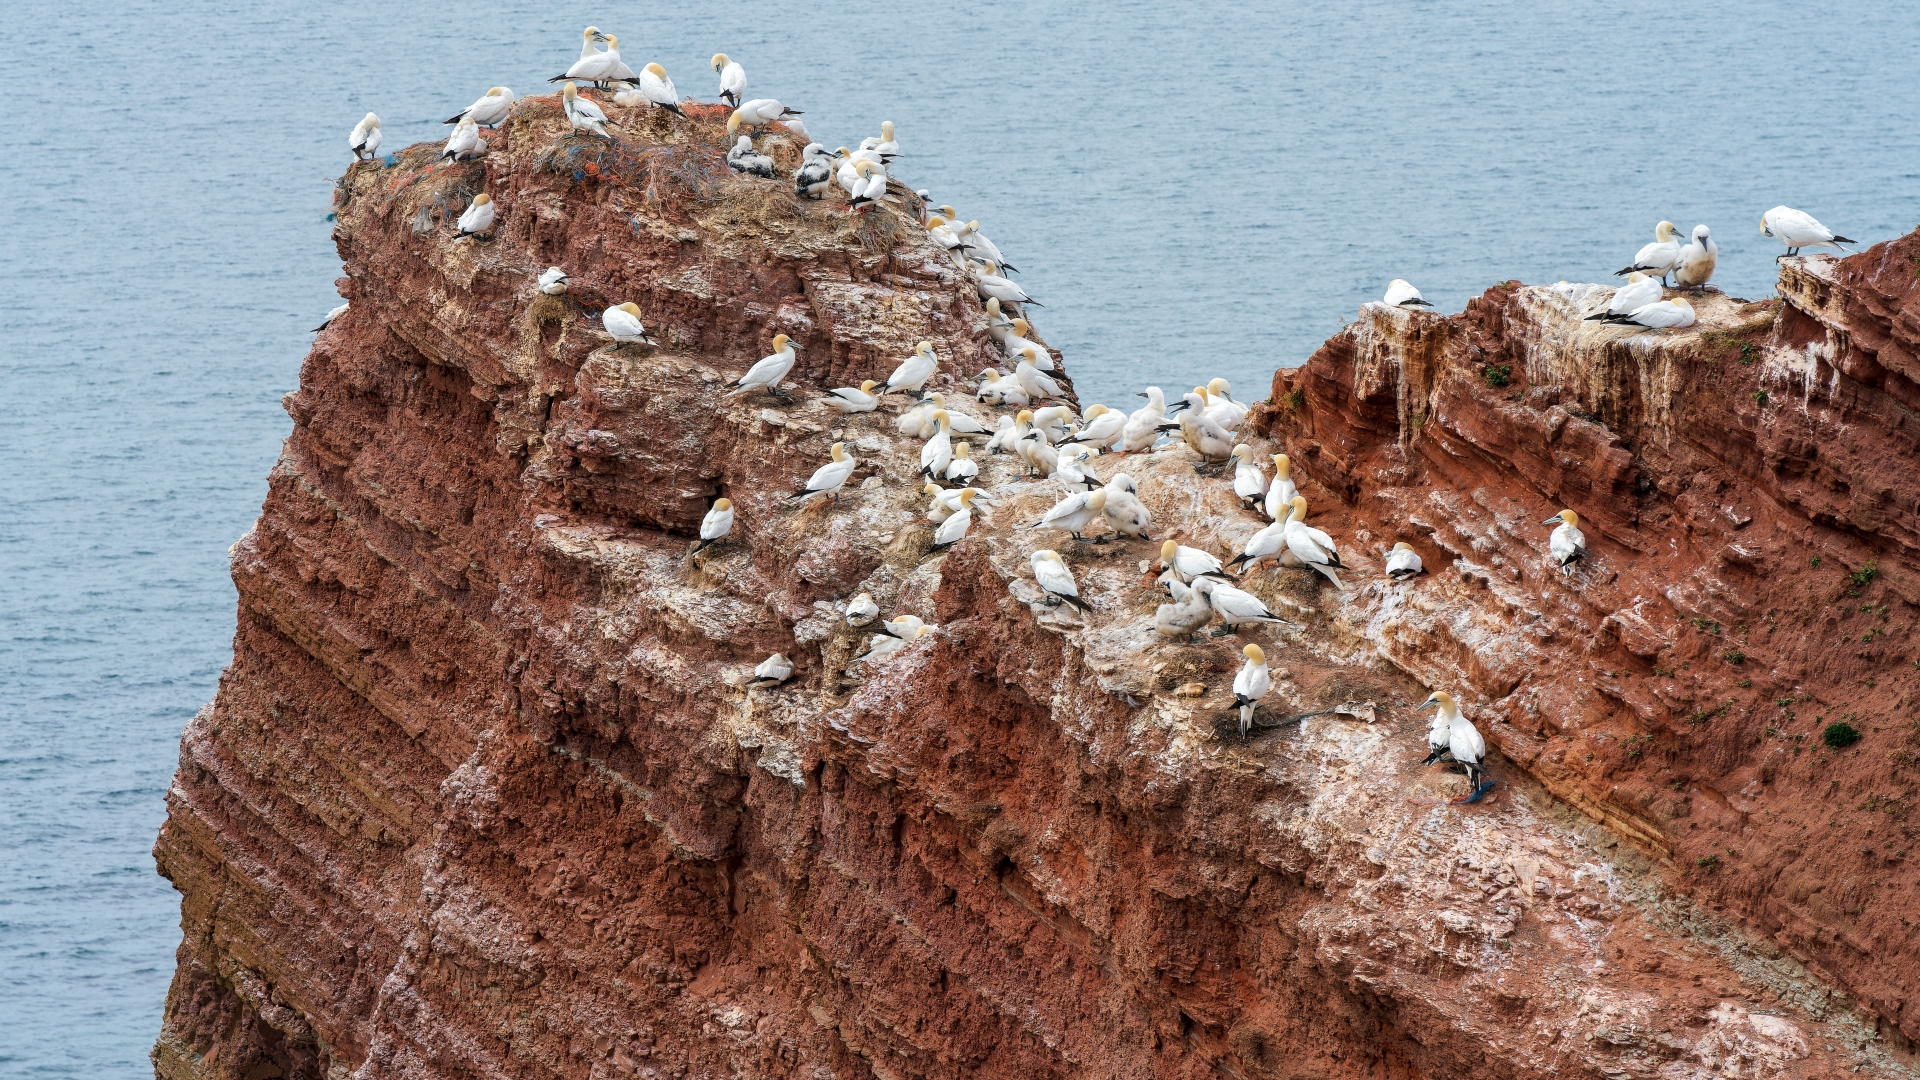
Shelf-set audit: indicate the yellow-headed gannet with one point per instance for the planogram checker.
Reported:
(654, 86)
(599, 67)
(1207, 438)
(941, 231)
(849, 399)
(955, 527)
(1697, 260)
(991, 284)
(960, 422)
(829, 478)
(1403, 563)
(1234, 607)
(1658, 258)
(1567, 545)
(1221, 408)
(1311, 546)
(743, 158)
(1185, 615)
(1250, 686)
(478, 218)
(1040, 455)
(553, 281)
(1281, 491)
(870, 182)
(622, 323)
(1006, 436)
(772, 671)
(1053, 422)
(328, 321)
(904, 627)
(914, 371)
(758, 113)
(582, 113)
(1032, 382)
(937, 453)
(465, 142)
(1050, 572)
(1639, 291)
(489, 111)
(769, 370)
(980, 247)
(1100, 426)
(733, 78)
(1074, 513)
(861, 610)
(716, 525)
(815, 174)
(590, 37)
(1189, 563)
(997, 322)
(946, 501)
(1125, 512)
(1018, 340)
(1401, 293)
(886, 145)
(1143, 427)
(1463, 741)
(364, 139)
(844, 173)
(962, 469)
(886, 646)
(1249, 483)
(1798, 230)
(1676, 314)
(1265, 544)
(998, 389)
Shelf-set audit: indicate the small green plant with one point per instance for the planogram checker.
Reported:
(1748, 352)
(1733, 656)
(1497, 374)
(1294, 399)
(1637, 743)
(1759, 397)
(1864, 576)
(1663, 672)
(1814, 562)
(1745, 683)
(1707, 862)
(1839, 735)
(1872, 632)
(1711, 626)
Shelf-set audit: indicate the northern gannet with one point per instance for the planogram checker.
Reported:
(1017, 341)
(489, 111)
(1438, 735)
(772, 671)
(1250, 686)
(1221, 408)
(904, 627)
(981, 247)
(1403, 563)
(743, 158)
(1401, 293)
(861, 610)
(815, 174)
(829, 478)
(1052, 422)
(962, 469)
(941, 231)
(885, 646)
(769, 370)
(1676, 314)
(1281, 491)
(1032, 382)
(916, 421)
(1189, 563)
(998, 389)
(991, 284)
(960, 422)
(599, 67)
(1798, 230)
(1182, 617)
(1005, 436)
(1264, 544)
(1697, 260)
(654, 86)
(733, 78)
(1567, 545)
(1234, 607)
(1073, 471)
(1124, 510)
(1040, 455)
(1074, 513)
(364, 139)
(1143, 427)
(1050, 572)
(622, 323)
(465, 142)
(1311, 546)
(758, 113)
(716, 525)
(1658, 258)
(886, 145)
(945, 502)
(998, 324)
(1100, 426)
(1207, 438)
(937, 453)
(331, 315)
(955, 527)
(1639, 291)
(581, 112)
(870, 182)
(1249, 483)
(478, 218)
(851, 400)
(553, 282)
(914, 371)
(1463, 739)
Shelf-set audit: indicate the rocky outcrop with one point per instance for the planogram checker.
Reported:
(484, 792)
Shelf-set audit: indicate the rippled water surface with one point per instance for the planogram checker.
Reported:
(1190, 188)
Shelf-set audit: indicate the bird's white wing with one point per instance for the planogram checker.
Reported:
(1055, 578)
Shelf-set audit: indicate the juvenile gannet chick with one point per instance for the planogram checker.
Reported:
(1143, 427)
(1676, 313)
(1034, 384)
(743, 158)
(600, 68)
(1040, 455)
(1073, 472)
(1281, 491)
(1401, 293)
(1639, 291)
(1798, 230)
(914, 371)
(733, 78)
(478, 218)
(1124, 510)
(465, 142)
(1006, 436)
(1189, 563)
(1403, 563)
(581, 112)
(554, 281)
(364, 139)
(829, 478)
(1265, 544)
(1658, 258)
(980, 247)
(1233, 606)
(772, 671)
(1311, 546)
(656, 89)
(1249, 483)
(1567, 545)
(991, 284)
(716, 525)
(1250, 686)
(1101, 426)
(815, 174)
(848, 399)
(1207, 438)
(1697, 260)
(1074, 513)
(1463, 739)
(962, 469)
(489, 111)
(769, 370)
(758, 113)
(937, 453)
(861, 610)
(1184, 616)
(328, 321)
(623, 323)
(955, 527)
(1056, 580)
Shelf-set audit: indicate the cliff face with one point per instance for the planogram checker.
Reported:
(483, 792)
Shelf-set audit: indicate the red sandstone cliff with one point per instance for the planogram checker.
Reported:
(482, 793)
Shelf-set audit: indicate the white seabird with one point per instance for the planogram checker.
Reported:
(1074, 513)
(772, 671)
(465, 142)
(1234, 607)
(553, 281)
(581, 112)
(758, 113)
(962, 468)
(1143, 427)
(1221, 408)
(1250, 685)
(885, 646)
(955, 527)
(489, 111)
(869, 184)
(1189, 563)
(946, 501)
(1676, 314)
(1463, 739)
(861, 610)
(1184, 616)
(331, 315)
(1249, 483)
(743, 158)
(767, 372)
(364, 139)
(999, 389)
(1267, 543)
(960, 422)
(716, 525)
(1006, 436)
(656, 89)
(1401, 293)
(1073, 472)
(598, 67)
(1798, 230)
(1208, 439)
(1311, 546)
(1040, 455)
(1639, 291)
(828, 479)
(886, 145)
(478, 217)
(981, 247)
(1052, 422)
(914, 371)
(1658, 258)
(849, 399)
(815, 174)
(941, 232)
(622, 323)
(1567, 545)
(1281, 491)
(1125, 512)
(1403, 562)
(733, 78)
(937, 453)
(1032, 382)
(1100, 426)
(1018, 339)
(991, 284)
(1050, 572)
(1697, 260)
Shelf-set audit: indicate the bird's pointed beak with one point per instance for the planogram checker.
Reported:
(1431, 704)
(1142, 394)
(794, 345)
(1554, 520)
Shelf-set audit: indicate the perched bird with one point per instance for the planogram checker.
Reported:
(937, 452)
(960, 422)
(589, 37)
(955, 527)
(1281, 491)
(743, 158)
(1052, 422)
(848, 399)
(733, 78)
(914, 371)
(1074, 513)
(917, 421)
(904, 627)
(1056, 580)
(997, 324)
(861, 610)
(489, 111)
(1403, 563)
(364, 139)
(465, 142)
(886, 145)
(946, 502)
(1312, 547)
(554, 281)
(622, 323)
(886, 646)
(1072, 470)
(1249, 483)
(998, 389)
(328, 321)
(1234, 607)
(772, 671)
(1250, 685)
(1401, 293)
(962, 469)
(1184, 616)
(1039, 454)
(1658, 258)
(716, 525)
(815, 174)
(1463, 739)
(600, 67)
(1439, 733)
(1221, 408)
(1005, 437)
(758, 113)
(941, 232)
(1034, 384)
(1264, 544)
(1676, 314)
(1639, 291)
(654, 86)
(979, 247)
(829, 478)
(1125, 512)
(1100, 426)
(1208, 439)
(582, 113)
(1798, 230)
(1697, 260)
(478, 217)
(1567, 545)
(991, 284)
(769, 370)
(870, 183)
(1189, 563)
(1018, 338)
(1142, 429)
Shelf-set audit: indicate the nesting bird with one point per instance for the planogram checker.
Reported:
(815, 174)
(716, 525)
(1249, 483)
(1639, 291)
(733, 78)
(937, 452)
(1100, 427)
(1312, 547)
(489, 111)
(1463, 740)
(914, 371)
(952, 530)
(1183, 616)
(1567, 544)
(1234, 607)
(656, 90)
(1142, 429)
(1658, 258)
(465, 142)
(962, 469)
(1281, 491)
(623, 324)
(1051, 573)
(1250, 685)
(1074, 513)
(767, 372)
(478, 217)
(849, 399)
(1403, 563)
(772, 671)
(364, 139)
(1676, 313)
(870, 183)
(553, 281)
(758, 113)
(861, 610)
(328, 321)
(1798, 230)
(581, 112)
(828, 479)
(743, 158)
(991, 284)
(1189, 563)
(1206, 438)
(1401, 293)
